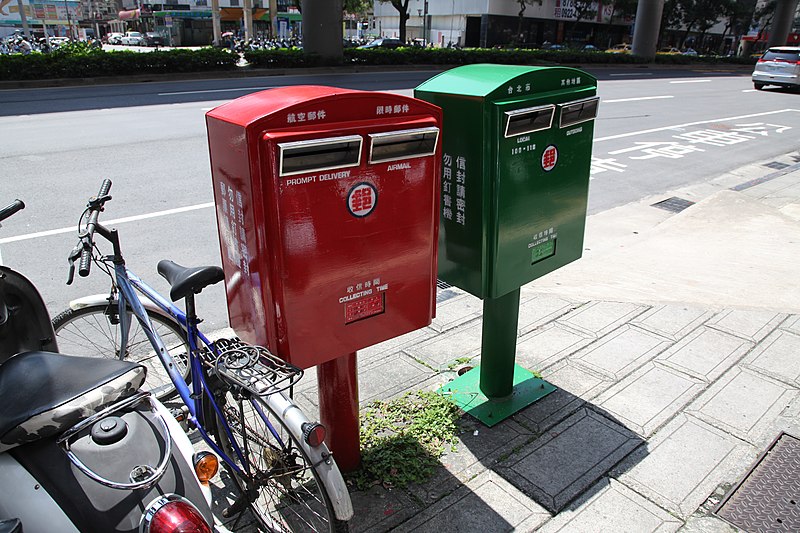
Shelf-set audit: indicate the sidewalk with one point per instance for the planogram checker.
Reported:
(675, 346)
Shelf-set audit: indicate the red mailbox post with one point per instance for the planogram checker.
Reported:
(327, 210)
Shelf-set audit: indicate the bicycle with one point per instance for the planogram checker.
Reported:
(234, 394)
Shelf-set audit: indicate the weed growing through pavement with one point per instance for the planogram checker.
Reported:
(403, 439)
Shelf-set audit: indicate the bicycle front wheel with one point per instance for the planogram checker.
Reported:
(94, 331)
(282, 488)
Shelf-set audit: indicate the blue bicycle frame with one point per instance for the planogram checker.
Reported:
(128, 283)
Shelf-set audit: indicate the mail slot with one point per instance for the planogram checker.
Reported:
(327, 209)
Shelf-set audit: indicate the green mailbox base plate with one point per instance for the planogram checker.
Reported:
(465, 392)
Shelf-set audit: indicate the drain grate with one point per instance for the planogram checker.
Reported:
(442, 284)
(445, 292)
(674, 204)
(777, 165)
(768, 498)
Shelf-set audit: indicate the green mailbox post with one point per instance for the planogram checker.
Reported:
(517, 145)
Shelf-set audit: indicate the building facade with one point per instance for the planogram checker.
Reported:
(490, 23)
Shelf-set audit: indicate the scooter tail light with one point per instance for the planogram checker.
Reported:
(206, 466)
(173, 514)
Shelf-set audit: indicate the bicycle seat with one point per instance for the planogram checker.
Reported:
(185, 281)
(44, 393)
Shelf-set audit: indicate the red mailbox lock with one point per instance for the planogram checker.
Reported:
(327, 209)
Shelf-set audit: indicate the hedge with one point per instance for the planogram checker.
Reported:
(81, 61)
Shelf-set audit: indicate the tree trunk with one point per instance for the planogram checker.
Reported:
(404, 16)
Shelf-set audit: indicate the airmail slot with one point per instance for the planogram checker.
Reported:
(327, 210)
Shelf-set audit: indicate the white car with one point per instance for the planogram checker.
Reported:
(133, 38)
(114, 38)
(780, 65)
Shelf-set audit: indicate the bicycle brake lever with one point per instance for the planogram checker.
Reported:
(73, 255)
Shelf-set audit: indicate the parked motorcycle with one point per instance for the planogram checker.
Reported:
(81, 447)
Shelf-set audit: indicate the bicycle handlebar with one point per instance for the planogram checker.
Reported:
(10, 209)
(86, 243)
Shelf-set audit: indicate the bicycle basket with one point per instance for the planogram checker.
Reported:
(251, 367)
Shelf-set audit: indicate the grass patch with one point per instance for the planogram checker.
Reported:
(403, 439)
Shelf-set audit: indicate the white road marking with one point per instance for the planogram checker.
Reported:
(690, 81)
(133, 218)
(636, 99)
(217, 91)
(633, 74)
(750, 91)
(643, 132)
(166, 212)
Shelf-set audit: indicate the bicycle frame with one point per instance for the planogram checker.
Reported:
(128, 284)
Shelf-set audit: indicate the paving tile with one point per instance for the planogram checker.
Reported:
(601, 317)
(705, 353)
(648, 398)
(549, 344)
(370, 354)
(611, 507)
(478, 448)
(707, 524)
(792, 324)
(743, 403)
(456, 311)
(379, 509)
(395, 373)
(446, 348)
(750, 325)
(621, 352)
(777, 356)
(575, 387)
(488, 503)
(673, 321)
(683, 463)
(568, 459)
(542, 308)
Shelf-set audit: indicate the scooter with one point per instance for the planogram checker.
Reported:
(82, 449)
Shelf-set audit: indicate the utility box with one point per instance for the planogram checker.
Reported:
(327, 208)
(517, 148)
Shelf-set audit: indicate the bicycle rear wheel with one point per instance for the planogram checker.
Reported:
(283, 490)
(94, 331)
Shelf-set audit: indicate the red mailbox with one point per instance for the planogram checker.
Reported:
(327, 210)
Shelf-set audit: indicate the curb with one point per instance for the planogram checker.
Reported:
(247, 72)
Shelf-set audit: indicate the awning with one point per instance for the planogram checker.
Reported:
(230, 13)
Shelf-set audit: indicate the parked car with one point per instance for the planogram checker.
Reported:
(780, 66)
(154, 39)
(114, 38)
(383, 43)
(689, 52)
(133, 38)
(670, 51)
(623, 48)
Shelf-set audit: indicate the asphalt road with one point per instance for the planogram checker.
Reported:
(657, 130)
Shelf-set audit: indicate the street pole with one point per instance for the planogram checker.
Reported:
(23, 19)
(69, 20)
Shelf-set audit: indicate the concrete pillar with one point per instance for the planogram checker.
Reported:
(216, 23)
(322, 30)
(248, 19)
(273, 19)
(646, 26)
(782, 22)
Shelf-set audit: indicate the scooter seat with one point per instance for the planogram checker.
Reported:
(43, 393)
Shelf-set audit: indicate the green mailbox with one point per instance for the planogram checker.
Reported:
(517, 146)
